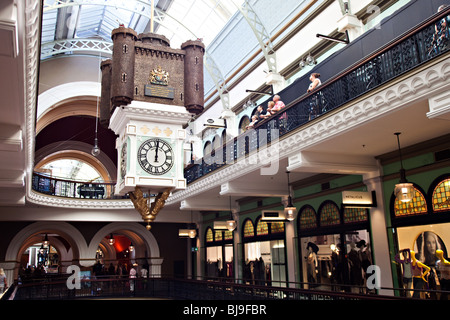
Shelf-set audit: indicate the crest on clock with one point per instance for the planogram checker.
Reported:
(159, 76)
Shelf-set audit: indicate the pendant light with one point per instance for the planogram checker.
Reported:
(111, 240)
(46, 242)
(191, 232)
(404, 190)
(131, 247)
(290, 210)
(231, 224)
(95, 149)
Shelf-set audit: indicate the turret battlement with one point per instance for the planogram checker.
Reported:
(145, 68)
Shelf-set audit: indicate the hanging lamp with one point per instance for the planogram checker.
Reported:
(404, 190)
(290, 210)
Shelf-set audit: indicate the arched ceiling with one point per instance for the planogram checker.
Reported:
(178, 20)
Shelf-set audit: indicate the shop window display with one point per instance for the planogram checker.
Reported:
(265, 263)
(264, 253)
(429, 245)
(219, 254)
(330, 265)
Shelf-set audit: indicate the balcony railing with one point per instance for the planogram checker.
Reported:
(175, 289)
(72, 189)
(419, 45)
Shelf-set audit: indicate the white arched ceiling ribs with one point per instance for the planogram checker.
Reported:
(261, 34)
(49, 49)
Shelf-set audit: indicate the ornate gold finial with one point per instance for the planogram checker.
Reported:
(147, 212)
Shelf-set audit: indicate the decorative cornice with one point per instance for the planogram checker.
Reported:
(31, 58)
(61, 202)
(405, 90)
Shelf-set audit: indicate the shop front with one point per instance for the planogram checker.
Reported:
(420, 231)
(264, 253)
(219, 254)
(334, 247)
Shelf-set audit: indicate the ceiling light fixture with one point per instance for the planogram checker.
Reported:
(290, 210)
(95, 149)
(404, 190)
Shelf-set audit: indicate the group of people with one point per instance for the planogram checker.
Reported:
(275, 105)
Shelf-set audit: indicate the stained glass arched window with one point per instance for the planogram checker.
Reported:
(218, 235)
(209, 235)
(262, 228)
(355, 215)
(277, 227)
(249, 230)
(329, 214)
(308, 218)
(441, 196)
(228, 235)
(417, 205)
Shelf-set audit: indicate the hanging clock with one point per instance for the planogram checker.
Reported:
(155, 156)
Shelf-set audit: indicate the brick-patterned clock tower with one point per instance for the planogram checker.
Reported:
(149, 91)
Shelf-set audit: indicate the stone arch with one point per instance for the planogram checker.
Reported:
(146, 245)
(27, 235)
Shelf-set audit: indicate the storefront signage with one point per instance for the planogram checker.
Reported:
(358, 199)
(220, 225)
(273, 215)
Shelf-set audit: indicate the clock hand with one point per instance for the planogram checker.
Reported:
(156, 151)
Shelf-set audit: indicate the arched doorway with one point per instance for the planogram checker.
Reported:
(145, 252)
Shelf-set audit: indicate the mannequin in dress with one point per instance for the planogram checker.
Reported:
(418, 275)
(311, 261)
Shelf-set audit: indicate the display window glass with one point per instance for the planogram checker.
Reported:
(219, 253)
(332, 264)
(421, 243)
(264, 253)
(265, 263)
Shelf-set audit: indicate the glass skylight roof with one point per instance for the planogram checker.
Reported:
(178, 20)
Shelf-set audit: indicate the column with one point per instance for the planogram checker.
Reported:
(380, 244)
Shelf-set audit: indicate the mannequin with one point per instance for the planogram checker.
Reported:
(311, 260)
(355, 268)
(406, 270)
(443, 267)
(418, 274)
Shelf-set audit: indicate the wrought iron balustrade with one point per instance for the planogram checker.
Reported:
(72, 189)
(419, 45)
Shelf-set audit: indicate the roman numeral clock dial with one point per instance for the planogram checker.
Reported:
(155, 156)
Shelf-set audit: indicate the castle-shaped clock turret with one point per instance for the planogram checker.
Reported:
(149, 91)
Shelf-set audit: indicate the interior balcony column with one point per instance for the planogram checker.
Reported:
(380, 245)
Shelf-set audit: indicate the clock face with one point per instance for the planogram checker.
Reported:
(155, 156)
(123, 165)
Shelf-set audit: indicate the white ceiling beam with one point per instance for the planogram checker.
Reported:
(252, 189)
(206, 204)
(308, 161)
(439, 106)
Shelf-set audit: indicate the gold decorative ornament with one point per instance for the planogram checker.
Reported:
(159, 76)
(149, 212)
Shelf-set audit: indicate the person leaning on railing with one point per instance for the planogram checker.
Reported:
(314, 106)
